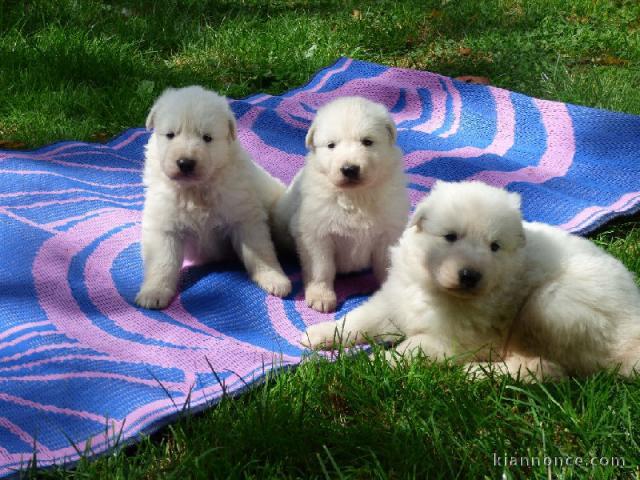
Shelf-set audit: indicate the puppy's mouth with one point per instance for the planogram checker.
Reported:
(462, 292)
(351, 183)
(184, 178)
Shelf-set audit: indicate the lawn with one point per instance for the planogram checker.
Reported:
(86, 70)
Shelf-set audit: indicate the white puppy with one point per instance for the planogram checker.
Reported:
(204, 194)
(349, 203)
(469, 276)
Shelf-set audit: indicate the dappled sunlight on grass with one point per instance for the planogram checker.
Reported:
(581, 52)
(87, 70)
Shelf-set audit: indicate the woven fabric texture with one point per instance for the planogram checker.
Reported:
(79, 362)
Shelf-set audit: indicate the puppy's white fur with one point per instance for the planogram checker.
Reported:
(223, 202)
(548, 303)
(341, 225)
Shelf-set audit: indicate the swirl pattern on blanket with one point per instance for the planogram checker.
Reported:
(79, 362)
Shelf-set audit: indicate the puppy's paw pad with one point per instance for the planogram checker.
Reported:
(321, 298)
(273, 282)
(154, 298)
(320, 335)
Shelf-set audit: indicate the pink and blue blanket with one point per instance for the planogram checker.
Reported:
(81, 365)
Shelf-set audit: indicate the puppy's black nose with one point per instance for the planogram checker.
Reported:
(469, 278)
(352, 172)
(186, 165)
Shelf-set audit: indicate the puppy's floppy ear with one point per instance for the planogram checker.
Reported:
(308, 141)
(514, 200)
(438, 184)
(150, 123)
(151, 118)
(419, 216)
(392, 129)
(232, 135)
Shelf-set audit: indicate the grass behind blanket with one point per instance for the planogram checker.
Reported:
(88, 69)
(74, 69)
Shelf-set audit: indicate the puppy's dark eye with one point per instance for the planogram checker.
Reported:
(451, 237)
(367, 142)
(170, 135)
(495, 246)
(207, 138)
(331, 145)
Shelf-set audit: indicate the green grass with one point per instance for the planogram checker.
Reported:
(87, 70)
(76, 69)
(362, 419)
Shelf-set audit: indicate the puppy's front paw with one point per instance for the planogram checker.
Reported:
(528, 370)
(320, 335)
(390, 357)
(154, 297)
(320, 297)
(481, 370)
(273, 282)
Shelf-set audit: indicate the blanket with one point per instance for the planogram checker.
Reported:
(82, 368)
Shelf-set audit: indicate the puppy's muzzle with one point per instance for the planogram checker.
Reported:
(469, 278)
(350, 172)
(186, 165)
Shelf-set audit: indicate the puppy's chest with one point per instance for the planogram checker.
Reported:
(354, 232)
(481, 329)
(198, 215)
(345, 217)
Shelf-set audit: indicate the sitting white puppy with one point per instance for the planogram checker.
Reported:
(349, 203)
(204, 194)
(469, 276)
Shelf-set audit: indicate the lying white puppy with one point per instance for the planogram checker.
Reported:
(469, 276)
(202, 191)
(349, 203)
